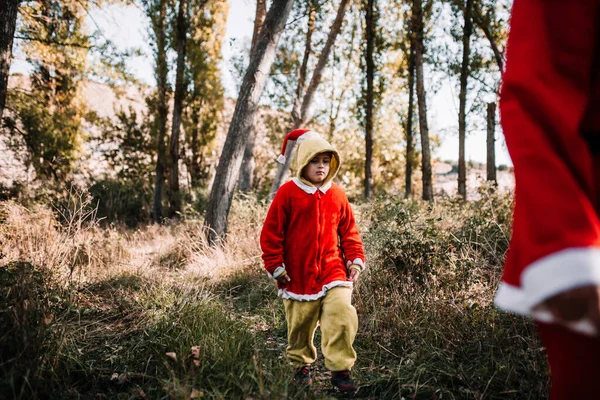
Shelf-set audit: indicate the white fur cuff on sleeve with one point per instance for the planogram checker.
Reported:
(357, 261)
(278, 272)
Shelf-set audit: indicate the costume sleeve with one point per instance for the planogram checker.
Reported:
(272, 235)
(350, 237)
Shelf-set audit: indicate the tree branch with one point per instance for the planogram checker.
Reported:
(80, 46)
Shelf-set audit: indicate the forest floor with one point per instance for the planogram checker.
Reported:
(104, 312)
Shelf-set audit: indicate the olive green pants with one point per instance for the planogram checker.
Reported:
(339, 323)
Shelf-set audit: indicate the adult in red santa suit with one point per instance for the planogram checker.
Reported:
(550, 110)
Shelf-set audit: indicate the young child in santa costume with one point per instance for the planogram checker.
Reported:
(312, 247)
(550, 108)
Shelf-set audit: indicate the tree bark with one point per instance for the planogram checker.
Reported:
(491, 143)
(8, 23)
(174, 192)
(323, 57)
(462, 117)
(282, 170)
(194, 162)
(297, 108)
(422, 101)
(409, 124)
(160, 121)
(246, 182)
(370, 36)
(252, 87)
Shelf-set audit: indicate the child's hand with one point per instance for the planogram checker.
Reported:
(283, 278)
(354, 274)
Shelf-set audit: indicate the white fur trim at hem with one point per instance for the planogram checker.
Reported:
(549, 276)
(284, 294)
(281, 159)
(311, 189)
(357, 261)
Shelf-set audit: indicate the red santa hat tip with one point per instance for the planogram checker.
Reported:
(297, 135)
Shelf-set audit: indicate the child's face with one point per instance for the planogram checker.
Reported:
(317, 169)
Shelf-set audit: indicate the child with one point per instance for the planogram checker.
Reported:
(312, 247)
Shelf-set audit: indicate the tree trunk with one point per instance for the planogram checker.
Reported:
(297, 121)
(370, 36)
(409, 124)
(252, 87)
(8, 22)
(282, 170)
(323, 57)
(462, 117)
(160, 121)
(174, 193)
(491, 142)
(297, 108)
(421, 101)
(194, 162)
(246, 182)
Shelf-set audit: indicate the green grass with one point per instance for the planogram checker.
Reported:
(156, 314)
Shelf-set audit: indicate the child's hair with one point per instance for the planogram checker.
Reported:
(329, 153)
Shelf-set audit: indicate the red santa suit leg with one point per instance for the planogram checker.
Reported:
(573, 360)
(546, 96)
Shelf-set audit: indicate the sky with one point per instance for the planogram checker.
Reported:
(126, 26)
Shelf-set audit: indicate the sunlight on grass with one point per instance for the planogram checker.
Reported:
(92, 310)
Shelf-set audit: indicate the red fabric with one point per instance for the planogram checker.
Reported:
(574, 363)
(550, 120)
(313, 235)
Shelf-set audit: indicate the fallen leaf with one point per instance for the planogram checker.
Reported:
(196, 394)
(171, 355)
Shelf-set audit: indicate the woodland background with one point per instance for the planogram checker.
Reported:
(130, 213)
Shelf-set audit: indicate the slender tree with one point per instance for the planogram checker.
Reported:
(181, 33)
(297, 107)
(492, 28)
(417, 20)
(335, 109)
(410, 145)
(205, 98)
(247, 170)
(49, 114)
(252, 87)
(157, 13)
(315, 80)
(462, 117)
(8, 22)
(369, 97)
(491, 142)
(486, 22)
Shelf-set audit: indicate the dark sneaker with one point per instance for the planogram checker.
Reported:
(302, 376)
(342, 381)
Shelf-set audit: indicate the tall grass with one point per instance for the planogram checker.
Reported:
(107, 312)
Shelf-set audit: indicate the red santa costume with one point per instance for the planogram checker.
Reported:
(310, 234)
(550, 109)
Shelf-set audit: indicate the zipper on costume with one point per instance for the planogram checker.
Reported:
(318, 260)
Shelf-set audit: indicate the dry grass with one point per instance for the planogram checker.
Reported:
(107, 304)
